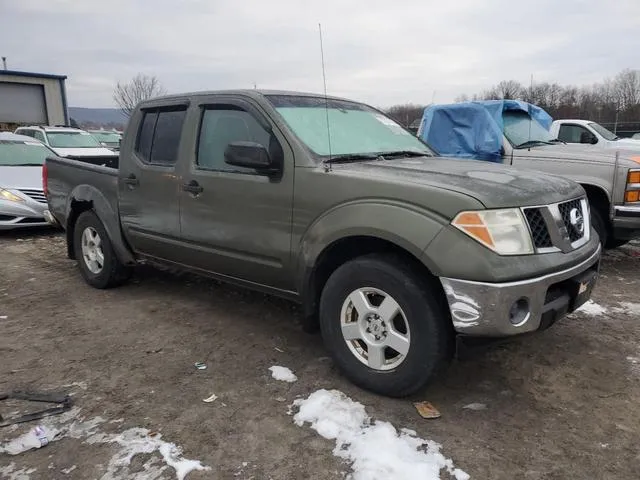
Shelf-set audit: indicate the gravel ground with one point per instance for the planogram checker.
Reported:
(561, 404)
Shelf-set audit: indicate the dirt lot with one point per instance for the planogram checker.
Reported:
(562, 404)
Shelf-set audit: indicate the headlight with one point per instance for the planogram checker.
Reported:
(503, 231)
(7, 195)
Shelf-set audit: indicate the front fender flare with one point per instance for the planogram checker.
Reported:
(409, 227)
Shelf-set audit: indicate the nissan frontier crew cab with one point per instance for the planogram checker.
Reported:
(391, 250)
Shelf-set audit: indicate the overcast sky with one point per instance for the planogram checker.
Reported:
(379, 51)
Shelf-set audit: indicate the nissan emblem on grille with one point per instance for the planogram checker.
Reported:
(577, 221)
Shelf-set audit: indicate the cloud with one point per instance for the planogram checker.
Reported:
(378, 51)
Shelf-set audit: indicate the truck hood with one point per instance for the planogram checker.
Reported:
(21, 177)
(84, 152)
(494, 185)
(626, 143)
(575, 151)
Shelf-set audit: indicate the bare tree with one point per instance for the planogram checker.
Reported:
(405, 114)
(139, 88)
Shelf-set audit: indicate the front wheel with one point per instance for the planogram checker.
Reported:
(384, 325)
(94, 253)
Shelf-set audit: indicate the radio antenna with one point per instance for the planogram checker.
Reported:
(326, 99)
(529, 112)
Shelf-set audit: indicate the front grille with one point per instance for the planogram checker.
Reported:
(538, 227)
(565, 211)
(34, 194)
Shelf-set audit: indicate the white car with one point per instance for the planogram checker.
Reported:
(22, 200)
(588, 132)
(67, 141)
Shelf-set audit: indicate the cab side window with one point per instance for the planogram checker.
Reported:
(159, 135)
(39, 136)
(575, 134)
(225, 124)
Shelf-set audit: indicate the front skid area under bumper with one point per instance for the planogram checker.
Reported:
(505, 309)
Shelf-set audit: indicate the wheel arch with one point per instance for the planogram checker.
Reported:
(86, 197)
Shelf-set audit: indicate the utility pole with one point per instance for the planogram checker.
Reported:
(4, 63)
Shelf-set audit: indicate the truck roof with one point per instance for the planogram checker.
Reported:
(570, 120)
(252, 93)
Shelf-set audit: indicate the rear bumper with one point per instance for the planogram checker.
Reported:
(626, 222)
(505, 309)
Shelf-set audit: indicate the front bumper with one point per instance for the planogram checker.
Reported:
(21, 214)
(626, 222)
(505, 309)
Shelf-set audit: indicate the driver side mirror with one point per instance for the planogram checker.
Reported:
(250, 155)
(594, 140)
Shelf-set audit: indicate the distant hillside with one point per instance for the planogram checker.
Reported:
(97, 116)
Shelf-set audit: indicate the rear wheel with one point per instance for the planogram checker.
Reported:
(385, 328)
(96, 258)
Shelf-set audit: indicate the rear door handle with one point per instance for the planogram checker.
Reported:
(192, 187)
(132, 180)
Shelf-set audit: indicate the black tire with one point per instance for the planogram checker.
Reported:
(113, 272)
(599, 225)
(431, 332)
(615, 243)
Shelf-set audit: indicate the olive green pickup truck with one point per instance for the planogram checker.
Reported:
(391, 250)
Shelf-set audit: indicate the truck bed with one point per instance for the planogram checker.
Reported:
(72, 179)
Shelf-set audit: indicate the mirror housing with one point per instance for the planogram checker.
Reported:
(250, 155)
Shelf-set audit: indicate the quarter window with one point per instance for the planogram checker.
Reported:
(159, 136)
(225, 124)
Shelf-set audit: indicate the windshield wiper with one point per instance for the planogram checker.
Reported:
(531, 143)
(353, 157)
(403, 153)
(23, 165)
(557, 140)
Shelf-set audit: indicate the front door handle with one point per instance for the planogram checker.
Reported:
(192, 187)
(132, 180)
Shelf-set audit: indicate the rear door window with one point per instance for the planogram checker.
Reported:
(159, 135)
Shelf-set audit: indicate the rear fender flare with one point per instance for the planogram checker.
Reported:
(107, 215)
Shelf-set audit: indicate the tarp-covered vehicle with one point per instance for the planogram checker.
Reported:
(517, 133)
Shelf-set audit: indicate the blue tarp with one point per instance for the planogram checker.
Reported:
(473, 129)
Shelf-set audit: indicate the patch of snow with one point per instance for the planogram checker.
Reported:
(130, 442)
(475, 406)
(628, 308)
(67, 471)
(375, 449)
(283, 374)
(591, 308)
(9, 472)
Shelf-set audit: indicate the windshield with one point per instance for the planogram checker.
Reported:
(22, 153)
(355, 128)
(106, 137)
(72, 140)
(520, 128)
(606, 134)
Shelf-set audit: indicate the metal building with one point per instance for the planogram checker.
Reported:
(32, 99)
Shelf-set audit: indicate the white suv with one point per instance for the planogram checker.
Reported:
(67, 141)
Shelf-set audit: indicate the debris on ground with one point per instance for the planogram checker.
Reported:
(475, 406)
(426, 410)
(283, 374)
(37, 437)
(62, 401)
(374, 448)
(278, 349)
(200, 365)
(210, 399)
(67, 471)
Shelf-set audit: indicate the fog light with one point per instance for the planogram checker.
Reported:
(519, 312)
